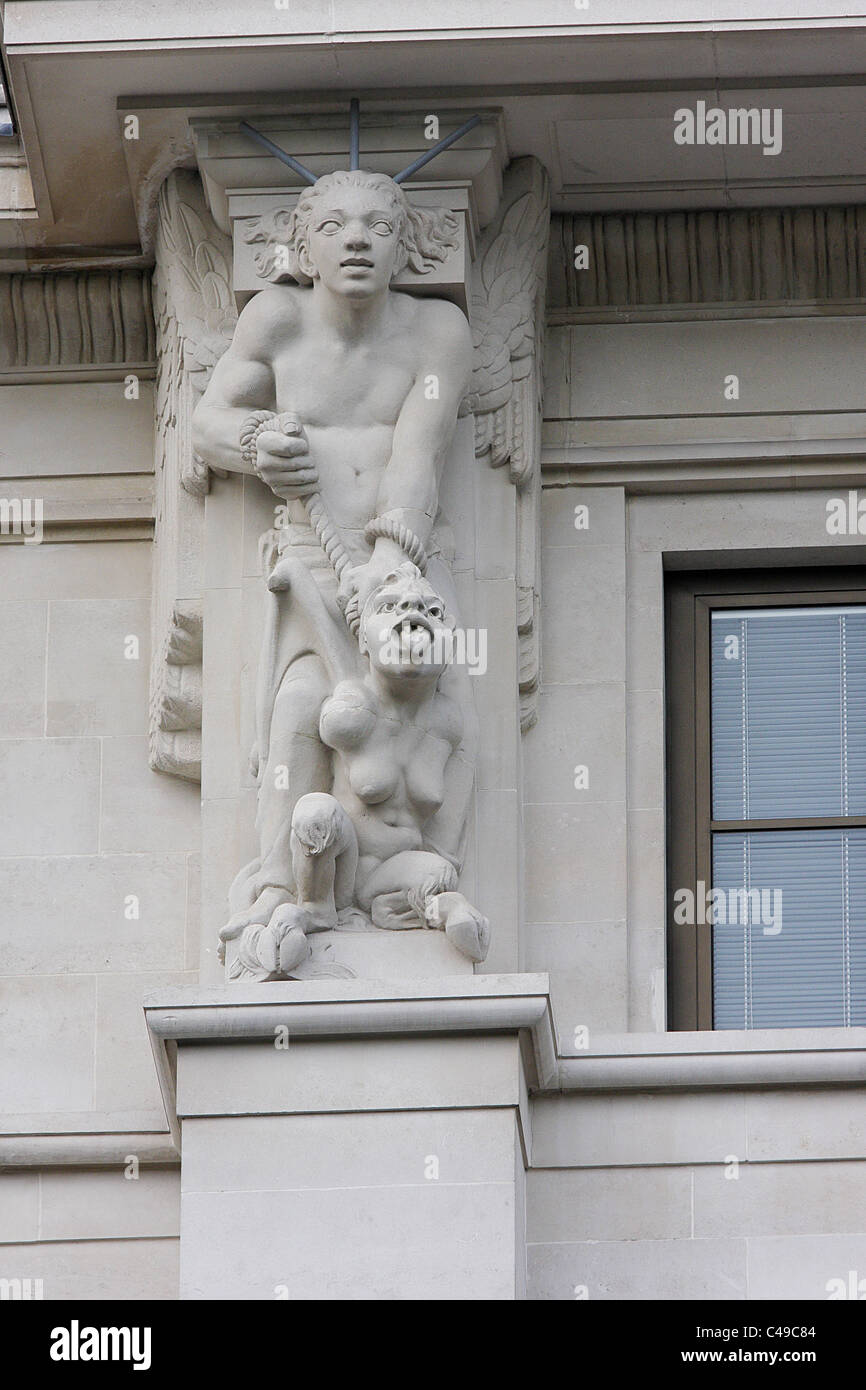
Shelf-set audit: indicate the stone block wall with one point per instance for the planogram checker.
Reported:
(99, 862)
(700, 1195)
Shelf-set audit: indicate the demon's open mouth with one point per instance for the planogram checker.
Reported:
(414, 625)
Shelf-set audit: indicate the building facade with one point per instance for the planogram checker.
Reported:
(646, 514)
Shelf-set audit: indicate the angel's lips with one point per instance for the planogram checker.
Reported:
(356, 261)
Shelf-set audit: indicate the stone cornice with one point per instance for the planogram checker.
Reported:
(84, 324)
(685, 262)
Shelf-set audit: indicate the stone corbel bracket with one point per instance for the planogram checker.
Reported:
(175, 706)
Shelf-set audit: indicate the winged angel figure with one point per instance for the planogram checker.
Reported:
(196, 316)
(196, 321)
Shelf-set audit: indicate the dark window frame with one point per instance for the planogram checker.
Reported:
(689, 601)
(6, 105)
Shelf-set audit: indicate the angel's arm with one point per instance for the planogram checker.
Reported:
(242, 380)
(409, 487)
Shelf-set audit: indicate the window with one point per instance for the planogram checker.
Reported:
(767, 800)
(7, 124)
(6, 127)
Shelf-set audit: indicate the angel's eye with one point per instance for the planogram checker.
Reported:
(330, 226)
(383, 228)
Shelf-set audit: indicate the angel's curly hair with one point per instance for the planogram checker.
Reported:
(425, 236)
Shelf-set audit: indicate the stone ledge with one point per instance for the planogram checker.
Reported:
(707, 462)
(347, 1009)
(332, 1008)
(496, 1004)
(726, 1058)
(85, 1150)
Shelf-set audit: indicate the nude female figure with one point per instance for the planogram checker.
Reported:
(372, 843)
(341, 366)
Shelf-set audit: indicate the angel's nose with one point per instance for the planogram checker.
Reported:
(357, 235)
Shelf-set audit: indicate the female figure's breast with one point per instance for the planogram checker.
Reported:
(374, 779)
(425, 787)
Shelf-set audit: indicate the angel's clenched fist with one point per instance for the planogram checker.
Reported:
(282, 459)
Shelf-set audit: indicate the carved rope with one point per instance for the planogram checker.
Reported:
(252, 427)
(392, 530)
(328, 536)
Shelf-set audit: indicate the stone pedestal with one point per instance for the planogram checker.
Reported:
(352, 1139)
(414, 954)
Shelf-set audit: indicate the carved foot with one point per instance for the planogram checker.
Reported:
(275, 949)
(318, 917)
(462, 923)
(288, 928)
(392, 912)
(353, 919)
(257, 915)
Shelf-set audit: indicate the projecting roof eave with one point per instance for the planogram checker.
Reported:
(593, 101)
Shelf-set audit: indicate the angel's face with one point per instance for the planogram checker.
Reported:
(352, 241)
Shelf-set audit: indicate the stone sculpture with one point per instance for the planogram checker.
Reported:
(393, 733)
(342, 395)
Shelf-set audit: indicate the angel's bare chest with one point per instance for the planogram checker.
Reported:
(331, 385)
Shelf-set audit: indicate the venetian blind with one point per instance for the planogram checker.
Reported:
(789, 741)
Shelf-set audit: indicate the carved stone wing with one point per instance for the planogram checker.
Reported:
(509, 280)
(195, 312)
(195, 315)
(175, 698)
(507, 320)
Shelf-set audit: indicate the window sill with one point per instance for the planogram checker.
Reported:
(726, 1058)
